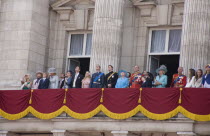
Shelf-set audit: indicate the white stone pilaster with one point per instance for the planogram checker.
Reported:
(107, 34)
(195, 35)
(119, 133)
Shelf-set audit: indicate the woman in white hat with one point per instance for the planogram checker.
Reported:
(161, 79)
(54, 79)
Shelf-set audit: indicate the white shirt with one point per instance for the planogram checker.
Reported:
(75, 78)
(35, 84)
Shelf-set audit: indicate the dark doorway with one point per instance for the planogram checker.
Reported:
(84, 64)
(172, 63)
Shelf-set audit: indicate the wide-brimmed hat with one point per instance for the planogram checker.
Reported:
(52, 70)
(119, 73)
(208, 65)
(39, 72)
(163, 68)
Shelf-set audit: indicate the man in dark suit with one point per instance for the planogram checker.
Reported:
(111, 78)
(44, 82)
(76, 81)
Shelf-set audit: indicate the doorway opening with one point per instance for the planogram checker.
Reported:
(170, 61)
(84, 64)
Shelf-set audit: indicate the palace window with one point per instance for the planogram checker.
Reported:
(80, 45)
(165, 41)
(79, 51)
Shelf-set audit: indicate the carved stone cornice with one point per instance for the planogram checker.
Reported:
(145, 7)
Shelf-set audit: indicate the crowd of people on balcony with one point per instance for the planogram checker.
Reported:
(122, 79)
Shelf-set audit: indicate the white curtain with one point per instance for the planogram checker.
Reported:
(158, 41)
(88, 44)
(76, 45)
(174, 40)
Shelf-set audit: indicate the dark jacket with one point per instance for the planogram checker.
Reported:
(78, 83)
(99, 83)
(44, 84)
(111, 78)
(147, 84)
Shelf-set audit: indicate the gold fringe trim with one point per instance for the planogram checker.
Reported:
(14, 116)
(120, 115)
(110, 114)
(159, 116)
(46, 115)
(82, 115)
(193, 116)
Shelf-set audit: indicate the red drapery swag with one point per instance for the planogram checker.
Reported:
(155, 103)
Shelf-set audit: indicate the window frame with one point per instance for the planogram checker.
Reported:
(84, 48)
(84, 45)
(166, 52)
(149, 54)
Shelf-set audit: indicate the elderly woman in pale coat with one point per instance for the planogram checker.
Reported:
(54, 79)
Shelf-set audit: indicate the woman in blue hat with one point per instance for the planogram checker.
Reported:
(161, 79)
(122, 81)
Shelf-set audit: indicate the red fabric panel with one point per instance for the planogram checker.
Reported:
(83, 100)
(160, 100)
(121, 100)
(14, 101)
(47, 101)
(196, 100)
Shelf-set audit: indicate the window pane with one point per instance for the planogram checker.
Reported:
(88, 44)
(158, 41)
(174, 40)
(76, 45)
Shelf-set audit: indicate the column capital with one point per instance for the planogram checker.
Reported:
(119, 133)
(186, 134)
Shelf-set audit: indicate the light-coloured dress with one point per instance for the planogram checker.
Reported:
(122, 82)
(54, 82)
(163, 80)
(193, 83)
(86, 82)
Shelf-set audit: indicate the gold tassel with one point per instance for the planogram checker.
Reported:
(64, 101)
(102, 95)
(30, 101)
(180, 97)
(139, 101)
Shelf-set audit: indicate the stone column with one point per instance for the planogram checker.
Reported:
(120, 133)
(107, 34)
(195, 34)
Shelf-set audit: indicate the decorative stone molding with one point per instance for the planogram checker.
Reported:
(145, 7)
(75, 15)
(153, 14)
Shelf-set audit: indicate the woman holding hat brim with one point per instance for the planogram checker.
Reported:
(161, 79)
(54, 79)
